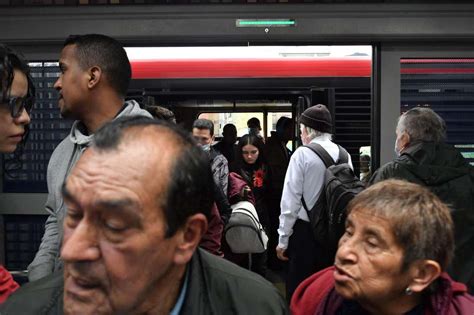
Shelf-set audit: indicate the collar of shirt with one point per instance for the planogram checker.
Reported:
(179, 302)
(321, 138)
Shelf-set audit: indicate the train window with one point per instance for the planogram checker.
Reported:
(364, 160)
(446, 86)
(230, 84)
(272, 119)
(238, 119)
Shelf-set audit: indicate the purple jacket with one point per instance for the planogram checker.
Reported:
(236, 184)
(316, 295)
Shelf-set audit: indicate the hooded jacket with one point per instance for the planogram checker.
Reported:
(443, 170)
(215, 287)
(63, 159)
(316, 296)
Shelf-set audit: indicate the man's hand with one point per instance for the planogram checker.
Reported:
(281, 253)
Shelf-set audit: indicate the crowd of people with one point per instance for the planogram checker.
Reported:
(138, 208)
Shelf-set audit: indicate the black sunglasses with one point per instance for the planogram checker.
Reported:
(17, 104)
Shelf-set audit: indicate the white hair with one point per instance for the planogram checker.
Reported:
(422, 124)
(312, 133)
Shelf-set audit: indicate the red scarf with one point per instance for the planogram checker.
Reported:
(7, 284)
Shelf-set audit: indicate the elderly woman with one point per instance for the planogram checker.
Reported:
(16, 91)
(391, 259)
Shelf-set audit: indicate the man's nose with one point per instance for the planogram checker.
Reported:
(80, 244)
(57, 84)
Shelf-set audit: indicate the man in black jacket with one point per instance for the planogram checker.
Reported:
(424, 158)
(138, 201)
(203, 133)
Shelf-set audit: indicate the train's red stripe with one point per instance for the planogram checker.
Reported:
(446, 60)
(250, 68)
(436, 70)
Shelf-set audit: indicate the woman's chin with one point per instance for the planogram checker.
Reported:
(345, 290)
(8, 147)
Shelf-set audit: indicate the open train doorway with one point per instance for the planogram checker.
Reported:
(232, 84)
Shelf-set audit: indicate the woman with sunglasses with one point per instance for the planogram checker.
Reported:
(16, 99)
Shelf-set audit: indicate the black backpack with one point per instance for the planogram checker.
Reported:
(328, 215)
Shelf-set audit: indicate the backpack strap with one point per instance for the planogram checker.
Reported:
(343, 155)
(324, 156)
(322, 153)
(327, 160)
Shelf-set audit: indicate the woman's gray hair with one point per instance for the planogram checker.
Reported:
(422, 124)
(420, 222)
(312, 133)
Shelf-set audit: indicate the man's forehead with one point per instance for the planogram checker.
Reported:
(138, 152)
(67, 53)
(201, 131)
(112, 176)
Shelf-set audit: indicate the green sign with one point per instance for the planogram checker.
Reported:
(265, 23)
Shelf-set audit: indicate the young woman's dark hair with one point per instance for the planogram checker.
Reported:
(252, 140)
(9, 62)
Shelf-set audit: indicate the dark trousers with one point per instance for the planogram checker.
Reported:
(305, 254)
(274, 217)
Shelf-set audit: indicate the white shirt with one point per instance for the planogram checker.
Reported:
(305, 176)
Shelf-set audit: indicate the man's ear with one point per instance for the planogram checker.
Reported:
(95, 74)
(423, 273)
(404, 141)
(189, 237)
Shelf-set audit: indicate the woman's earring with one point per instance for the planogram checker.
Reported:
(408, 291)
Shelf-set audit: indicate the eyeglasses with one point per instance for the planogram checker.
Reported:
(17, 104)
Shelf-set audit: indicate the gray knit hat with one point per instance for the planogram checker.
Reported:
(317, 117)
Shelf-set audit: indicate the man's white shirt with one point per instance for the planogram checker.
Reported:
(304, 177)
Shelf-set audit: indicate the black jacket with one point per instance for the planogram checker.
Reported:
(442, 169)
(215, 286)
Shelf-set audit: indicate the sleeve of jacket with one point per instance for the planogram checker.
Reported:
(220, 170)
(43, 263)
(383, 173)
(389, 170)
(39, 297)
(222, 204)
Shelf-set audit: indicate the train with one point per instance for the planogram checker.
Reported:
(421, 54)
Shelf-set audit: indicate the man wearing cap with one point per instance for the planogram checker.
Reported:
(304, 179)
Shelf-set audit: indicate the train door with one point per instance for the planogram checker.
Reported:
(215, 78)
